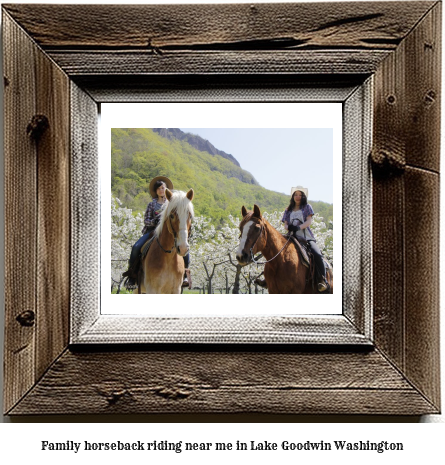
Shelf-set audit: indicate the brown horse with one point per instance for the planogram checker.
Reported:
(284, 272)
(163, 266)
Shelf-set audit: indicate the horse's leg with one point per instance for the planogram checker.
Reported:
(330, 279)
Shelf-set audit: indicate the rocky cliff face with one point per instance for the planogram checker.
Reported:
(195, 141)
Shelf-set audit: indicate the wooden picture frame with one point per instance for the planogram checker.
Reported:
(77, 56)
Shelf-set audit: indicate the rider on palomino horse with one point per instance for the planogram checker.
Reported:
(297, 218)
(151, 219)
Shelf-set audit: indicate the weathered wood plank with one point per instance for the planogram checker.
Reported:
(78, 62)
(388, 200)
(423, 92)
(53, 228)
(218, 382)
(422, 281)
(406, 131)
(364, 25)
(388, 270)
(20, 213)
(407, 114)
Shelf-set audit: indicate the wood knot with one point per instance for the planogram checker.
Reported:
(26, 318)
(37, 126)
(112, 396)
(387, 163)
(172, 393)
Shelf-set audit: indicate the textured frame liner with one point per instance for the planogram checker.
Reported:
(88, 325)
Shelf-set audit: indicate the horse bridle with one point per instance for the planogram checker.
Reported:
(174, 235)
(254, 244)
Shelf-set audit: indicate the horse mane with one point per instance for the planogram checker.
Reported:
(179, 203)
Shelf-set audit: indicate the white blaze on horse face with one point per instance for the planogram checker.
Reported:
(244, 237)
(183, 238)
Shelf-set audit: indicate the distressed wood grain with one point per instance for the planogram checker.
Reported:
(373, 25)
(20, 213)
(423, 92)
(53, 208)
(37, 211)
(407, 135)
(128, 63)
(222, 382)
(422, 289)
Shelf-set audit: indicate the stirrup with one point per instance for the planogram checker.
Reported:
(322, 286)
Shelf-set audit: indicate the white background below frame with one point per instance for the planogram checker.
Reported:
(223, 115)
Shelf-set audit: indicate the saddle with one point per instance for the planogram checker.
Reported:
(307, 259)
(303, 249)
(146, 247)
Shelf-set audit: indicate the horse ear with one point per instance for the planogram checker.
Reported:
(190, 194)
(256, 212)
(168, 194)
(243, 211)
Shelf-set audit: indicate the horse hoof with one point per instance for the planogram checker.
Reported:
(261, 282)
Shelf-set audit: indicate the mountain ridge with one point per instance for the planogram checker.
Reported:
(196, 141)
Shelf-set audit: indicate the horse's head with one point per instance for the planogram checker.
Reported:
(178, 217)
(251, 227)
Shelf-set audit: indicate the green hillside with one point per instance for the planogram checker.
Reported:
(138, 155)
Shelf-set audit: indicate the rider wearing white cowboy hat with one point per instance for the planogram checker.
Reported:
(297, 219)
(157, 188)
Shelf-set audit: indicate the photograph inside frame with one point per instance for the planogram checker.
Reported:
(226, 211)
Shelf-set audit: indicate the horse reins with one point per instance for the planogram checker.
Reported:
(254, 244)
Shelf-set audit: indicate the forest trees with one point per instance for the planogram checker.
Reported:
(213, 263)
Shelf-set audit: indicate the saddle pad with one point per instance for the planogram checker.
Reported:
(302, 251)
(146, 247)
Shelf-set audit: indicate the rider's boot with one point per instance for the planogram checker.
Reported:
(187, 282)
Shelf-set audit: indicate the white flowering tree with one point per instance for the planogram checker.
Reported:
(125, 231)
(213, 263)
(324, 236)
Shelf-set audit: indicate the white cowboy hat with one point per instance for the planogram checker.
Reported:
(164, 179)
(301, 189)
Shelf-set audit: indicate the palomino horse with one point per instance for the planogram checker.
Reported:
(284, 272)
(163, 266)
